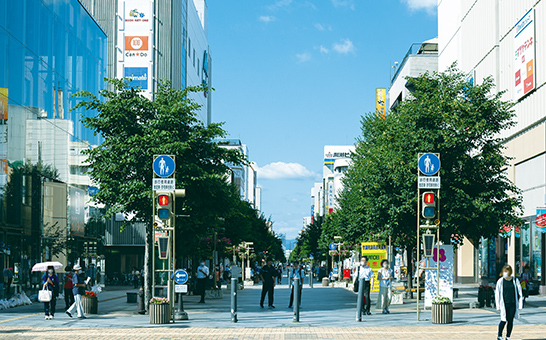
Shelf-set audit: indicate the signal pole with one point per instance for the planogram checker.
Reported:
(428, 208)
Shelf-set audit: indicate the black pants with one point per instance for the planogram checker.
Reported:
(7, 288)
(292, 296)
(68, 298)
(366, 291)
(49, 307)
(201, 285)
(510, 314)
(267, 288)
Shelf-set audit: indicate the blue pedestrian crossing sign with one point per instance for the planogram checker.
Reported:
(180, 276)
(164, 166)
(429, 164)
(332, 246)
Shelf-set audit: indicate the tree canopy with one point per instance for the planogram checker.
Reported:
(447, 115)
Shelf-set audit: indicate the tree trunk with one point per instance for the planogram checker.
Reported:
(148, 269)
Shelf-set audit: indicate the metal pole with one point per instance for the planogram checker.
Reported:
(360, 300)
(311, 278)
(438, 245)
(417, 250)
(296, 299)
(233, 299)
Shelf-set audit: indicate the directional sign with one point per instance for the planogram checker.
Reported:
(429, 164)
(164, 166)
(332, 246)
(180, 276)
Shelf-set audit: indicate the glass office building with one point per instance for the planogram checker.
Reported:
(50, 50)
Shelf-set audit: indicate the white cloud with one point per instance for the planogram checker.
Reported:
(324, 50)
(344, 47)
(319, 27)
(428, 5)
(282, 170)
(266, 18)
(280, 4)
(344, 3)
(303, 57)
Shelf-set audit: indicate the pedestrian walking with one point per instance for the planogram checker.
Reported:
(279, 274)
(364, 271)
(8, 279)
(268, 274)
(296, 274)
(78, 290)
(202, 276)
(384, 276)
(508, 300)
(68, 285)
(525, 278)
(50, 282)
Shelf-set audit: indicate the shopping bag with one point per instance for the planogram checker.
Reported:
(44, 295)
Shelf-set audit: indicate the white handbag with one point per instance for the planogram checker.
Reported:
(45, 295)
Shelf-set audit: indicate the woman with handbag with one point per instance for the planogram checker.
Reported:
(384, 276)
(51, 284)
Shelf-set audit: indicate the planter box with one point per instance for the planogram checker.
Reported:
(160, 313)
(442, 313)
(485, 298)
(90, 305)
(397, 299)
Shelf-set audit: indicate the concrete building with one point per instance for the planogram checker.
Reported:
(419, 59)
(156, 40)
(337, 159)
(504, 40)
(245, 177)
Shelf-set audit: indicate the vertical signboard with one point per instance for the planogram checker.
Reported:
(3, 137)
(381, 103)
(135, 43)
(524, 55)
(446, 274)
(375, 252)
(76, 203)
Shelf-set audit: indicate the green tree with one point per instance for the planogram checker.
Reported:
(444, 114)
(134, 129)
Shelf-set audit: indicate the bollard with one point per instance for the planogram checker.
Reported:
(311, 279)
(233, 299)
(296, 299)
(180, 314)
(360, 300)
(141, 307)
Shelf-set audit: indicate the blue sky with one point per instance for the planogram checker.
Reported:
(291, 76)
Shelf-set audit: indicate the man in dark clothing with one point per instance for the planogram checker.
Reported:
(8, 279)
(268, 274)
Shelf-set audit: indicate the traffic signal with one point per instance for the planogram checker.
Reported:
(164, 205)
(429, 205)
(163, 247)
(428, 243)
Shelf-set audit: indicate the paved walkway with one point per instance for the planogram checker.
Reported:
(326, 313)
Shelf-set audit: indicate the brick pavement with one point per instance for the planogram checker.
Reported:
(527, 332)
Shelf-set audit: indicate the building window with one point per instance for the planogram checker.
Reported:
(194, 57)
(189, 47)
(198, 67)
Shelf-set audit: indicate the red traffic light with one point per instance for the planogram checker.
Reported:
(428, 198)
(163, 199)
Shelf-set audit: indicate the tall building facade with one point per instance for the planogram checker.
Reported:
(43, 188)
(504, 40)
(158, 40)
(245, 177)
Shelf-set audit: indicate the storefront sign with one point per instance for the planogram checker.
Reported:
(524, 55)
(381, 103)
(541, 220)
(375, 252)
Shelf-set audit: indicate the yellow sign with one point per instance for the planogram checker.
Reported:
(437, 222)
(4, 103)
(375, 252)
(381, 102)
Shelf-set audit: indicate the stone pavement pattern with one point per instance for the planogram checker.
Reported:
(284, 333)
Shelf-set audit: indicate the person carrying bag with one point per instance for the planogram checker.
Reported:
(48, 295)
